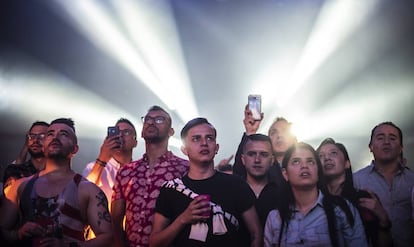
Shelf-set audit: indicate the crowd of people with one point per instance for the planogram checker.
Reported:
(278, 192)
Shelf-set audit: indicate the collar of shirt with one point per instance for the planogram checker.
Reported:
(317, 203)
(401, 168)
(165, 157)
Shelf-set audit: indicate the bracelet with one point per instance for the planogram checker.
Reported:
(385, 228)
(100, 162)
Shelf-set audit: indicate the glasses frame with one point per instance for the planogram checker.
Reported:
(33, 136)
(156, 119)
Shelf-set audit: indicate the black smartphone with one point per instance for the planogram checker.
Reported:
(363, 194)
(113, 130)
(255, 106)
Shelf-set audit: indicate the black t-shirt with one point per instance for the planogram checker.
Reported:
(275, 171)
(267, 201)
(18, 171)
(230, 192)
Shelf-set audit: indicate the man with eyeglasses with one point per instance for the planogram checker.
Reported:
(115, 152)
(34, 146)
(138, 183)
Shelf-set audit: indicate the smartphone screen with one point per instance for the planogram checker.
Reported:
(113, 130)
(255, 105)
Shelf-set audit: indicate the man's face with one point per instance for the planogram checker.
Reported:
(385, 144)
(257, 158)
(156, 127)
(35, 140)
(60, 142)
(333, 161)
(128, 136)
(281, 136)
(200, 144)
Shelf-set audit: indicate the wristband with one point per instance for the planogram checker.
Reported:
(100, 162)
(386, 227)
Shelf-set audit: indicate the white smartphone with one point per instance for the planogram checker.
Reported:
(255, 106)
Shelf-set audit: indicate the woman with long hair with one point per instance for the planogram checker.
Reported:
(336, 167)
(309, 215)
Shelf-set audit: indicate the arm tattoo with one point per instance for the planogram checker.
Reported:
(102, 201)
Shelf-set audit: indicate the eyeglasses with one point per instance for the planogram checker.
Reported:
(157, 119)
(126, 132)
(32, 136)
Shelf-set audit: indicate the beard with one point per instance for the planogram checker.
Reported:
(153, 139)
(57, 155)
(35, 155)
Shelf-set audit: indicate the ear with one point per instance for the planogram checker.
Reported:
(171, 132)
(285, 176)
(135, 143)
(75, 149)
(347, 164)
(217, 148)
(370, 147)
(184, 150)
(242, 159)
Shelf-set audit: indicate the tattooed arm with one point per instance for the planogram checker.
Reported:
(94, 207)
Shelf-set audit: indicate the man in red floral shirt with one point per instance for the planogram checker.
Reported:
(138, 183)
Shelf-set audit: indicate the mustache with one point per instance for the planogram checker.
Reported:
(54, 141)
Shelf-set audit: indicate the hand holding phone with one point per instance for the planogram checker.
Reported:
(363, 194)
(113, 130)
(255, 106)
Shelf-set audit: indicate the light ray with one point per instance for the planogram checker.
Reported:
(164, 58)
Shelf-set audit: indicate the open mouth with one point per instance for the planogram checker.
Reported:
(305, 174)
(328, 166)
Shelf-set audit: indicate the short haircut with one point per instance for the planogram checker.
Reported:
(67, 121)
(389, 124)
(257, 137)
(124, 120)
(39, 123)
(194, 122)
(159, 108)
(280, 119)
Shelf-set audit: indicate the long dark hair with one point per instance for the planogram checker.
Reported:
(348, 190)
(286, 207)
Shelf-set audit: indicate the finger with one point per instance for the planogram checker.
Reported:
(230, 158)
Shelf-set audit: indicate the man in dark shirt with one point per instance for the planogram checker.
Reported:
(205, 207)
(34, 146)
(258, 158)
(279, 133)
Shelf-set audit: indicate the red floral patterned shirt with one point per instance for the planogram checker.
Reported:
(139, 187)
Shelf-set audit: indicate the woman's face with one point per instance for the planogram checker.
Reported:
(302, 169)
(333, 161)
